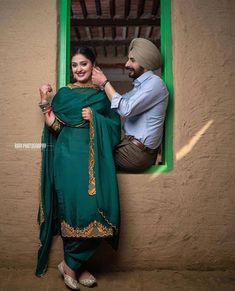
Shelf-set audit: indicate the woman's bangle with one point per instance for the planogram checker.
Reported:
(55, 125)
(45, 107)
(42, 104)
(48, 111)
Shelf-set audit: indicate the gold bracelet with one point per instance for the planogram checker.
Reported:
(55, 125)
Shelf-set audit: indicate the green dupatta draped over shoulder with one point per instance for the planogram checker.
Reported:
(104, 134)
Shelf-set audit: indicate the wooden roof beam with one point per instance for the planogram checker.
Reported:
(101, 32)
(113, 32)
(155, 6)
(112, 65)
(105, 51)
(77, 32)
(127, 8)
(137, 31)
(124, 32)
(75, 28)
(148, 32)
(88, 33)
(140, 8)
(115, 51)
(84, 9)
(116, 22)
(106, 42)
(98, 7)
(112, 8)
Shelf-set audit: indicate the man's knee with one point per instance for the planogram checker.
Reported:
(129, 158)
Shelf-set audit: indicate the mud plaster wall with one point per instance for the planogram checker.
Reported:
(181, 219)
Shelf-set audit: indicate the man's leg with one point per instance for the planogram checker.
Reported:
(130, 158)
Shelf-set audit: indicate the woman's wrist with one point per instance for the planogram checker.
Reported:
(44, 101)
(45, 107)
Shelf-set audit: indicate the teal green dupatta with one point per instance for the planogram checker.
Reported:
(104, 134)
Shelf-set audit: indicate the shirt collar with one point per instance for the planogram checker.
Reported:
(142, 78)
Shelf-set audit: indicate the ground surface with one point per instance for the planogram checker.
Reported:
(13, 279)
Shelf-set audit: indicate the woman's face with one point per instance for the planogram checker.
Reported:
(81, 68)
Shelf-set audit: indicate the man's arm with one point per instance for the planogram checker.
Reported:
(150, 94)
(99, 78)
(141, 100)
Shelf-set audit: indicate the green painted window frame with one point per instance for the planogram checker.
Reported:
(167, 75)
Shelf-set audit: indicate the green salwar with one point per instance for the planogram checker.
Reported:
(78, 251)
(79, 192)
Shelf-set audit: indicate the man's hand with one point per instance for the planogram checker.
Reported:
(98, 77)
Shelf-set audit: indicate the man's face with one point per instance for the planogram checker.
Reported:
(135, 70)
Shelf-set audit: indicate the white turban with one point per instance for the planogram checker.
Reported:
(145, 53)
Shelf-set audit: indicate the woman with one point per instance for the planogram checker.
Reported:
(79, 193)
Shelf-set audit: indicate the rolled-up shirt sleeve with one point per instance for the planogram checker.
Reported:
(116, 98)
(139, 99)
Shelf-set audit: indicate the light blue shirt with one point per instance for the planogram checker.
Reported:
(144, 109)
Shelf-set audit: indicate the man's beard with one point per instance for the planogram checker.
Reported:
(134, 74)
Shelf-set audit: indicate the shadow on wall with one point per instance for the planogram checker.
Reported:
(186, 149)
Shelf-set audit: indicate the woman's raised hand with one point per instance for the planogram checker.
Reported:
(86, 113)
(44, 92)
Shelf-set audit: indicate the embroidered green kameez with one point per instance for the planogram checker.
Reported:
(79, 192)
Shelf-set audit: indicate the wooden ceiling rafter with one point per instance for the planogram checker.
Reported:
(137, 31)
(83, 7)
(155, 7)
(105, 51)
(125, 32)
(107, 42)
(99, 14)
(101, 29)
(112, 8)
(108, 25)
(127, 8)
(75, 28)
(116, 22)
(98, 8)
(85, 14)
(148, 32)
(112, 11)
(140, 8)
(115, 51)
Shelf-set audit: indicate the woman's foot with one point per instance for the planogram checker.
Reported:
(69, 271)
(87, 279)
(69, 275)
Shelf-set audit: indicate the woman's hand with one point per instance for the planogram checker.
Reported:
(86, 113)
(44, 92)
(98, 77)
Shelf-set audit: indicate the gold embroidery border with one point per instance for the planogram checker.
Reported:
(105, 218)
(91, 186)
(41, 213)
(40, 199)
(75, 85)
(94, 229)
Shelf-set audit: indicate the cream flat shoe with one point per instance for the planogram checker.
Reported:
(88, 282)
(69, 281)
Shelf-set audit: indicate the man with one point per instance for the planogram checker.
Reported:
(143, 108)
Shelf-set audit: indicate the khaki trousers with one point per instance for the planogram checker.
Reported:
(130, 158)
